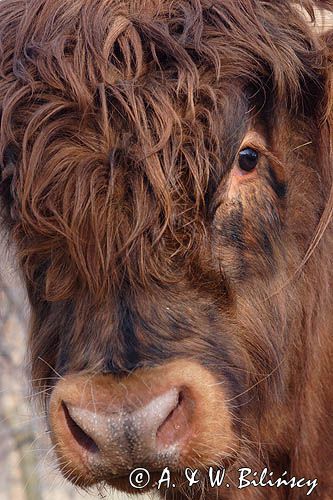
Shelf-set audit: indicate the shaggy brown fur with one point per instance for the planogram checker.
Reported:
(138, 239)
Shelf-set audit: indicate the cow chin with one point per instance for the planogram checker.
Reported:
(174, 416)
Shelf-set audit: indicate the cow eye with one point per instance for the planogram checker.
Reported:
(248, 159)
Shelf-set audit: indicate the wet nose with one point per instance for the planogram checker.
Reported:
(146, 431)
(104, 426)
(111, 427)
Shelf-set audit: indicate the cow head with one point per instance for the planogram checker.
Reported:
(166, 179)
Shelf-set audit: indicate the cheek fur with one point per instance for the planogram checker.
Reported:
(238, 179)
(248, 223)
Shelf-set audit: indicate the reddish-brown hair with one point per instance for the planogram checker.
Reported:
(120, 126)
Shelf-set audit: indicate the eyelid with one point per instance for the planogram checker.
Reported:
(264, 151)
(252, 145)
(245, 144)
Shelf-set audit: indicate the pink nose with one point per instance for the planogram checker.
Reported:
(122, 437)
(104, 426)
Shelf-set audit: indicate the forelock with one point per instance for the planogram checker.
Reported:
(121, 113)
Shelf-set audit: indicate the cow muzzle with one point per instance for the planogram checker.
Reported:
(104, 426)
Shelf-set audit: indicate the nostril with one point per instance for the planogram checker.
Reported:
(177, 425)
(80, 436)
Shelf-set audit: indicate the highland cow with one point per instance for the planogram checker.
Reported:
(166, 179)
